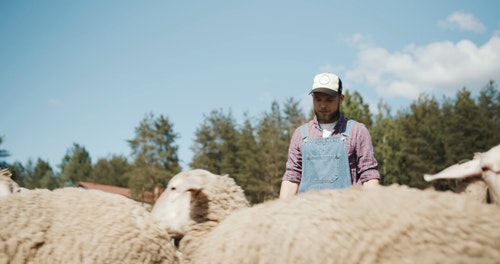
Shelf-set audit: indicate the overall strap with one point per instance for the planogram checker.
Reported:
(348, 128)
(303, 132)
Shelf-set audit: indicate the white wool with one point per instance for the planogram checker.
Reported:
(86, 226)
(393, 224)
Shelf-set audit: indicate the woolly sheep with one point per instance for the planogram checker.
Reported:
(74, 225)
(7, 185)
(193, 203)
(474, 188)
(394, 224)
(485, 166)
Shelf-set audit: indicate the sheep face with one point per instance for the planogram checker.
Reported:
(7, 185)
(467, 169)
(172, 211)
(490, 164)
(485, 165)
(491, 160)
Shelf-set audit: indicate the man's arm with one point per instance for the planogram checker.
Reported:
(366, 162)
(288, 189)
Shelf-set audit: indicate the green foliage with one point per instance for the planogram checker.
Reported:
(426, 137)
(31, 176)
(255, 155)
(21, 174)
(293, 116)
(144, 178)
(462, 126)
(248, 162)
(216, 144)
(489, 113)
(76, 166)
(113, 171)
(3, 154)
(422, 139)
(43, 176)
(354, 108)
(154, 143)
(387, 137)
(155, 154)
(274, 137)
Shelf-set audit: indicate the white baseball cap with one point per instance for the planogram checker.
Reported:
(328, 83)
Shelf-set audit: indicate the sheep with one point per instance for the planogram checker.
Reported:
(7, 185)
(211, 197)
(474, 188)
(394, 224)
(485, 166)
(74, 225)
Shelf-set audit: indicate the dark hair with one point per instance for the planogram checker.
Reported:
(340, 86)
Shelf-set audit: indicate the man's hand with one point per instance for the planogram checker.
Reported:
(288, 189)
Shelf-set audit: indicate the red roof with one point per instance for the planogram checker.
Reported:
(146, 197)
(105, 188)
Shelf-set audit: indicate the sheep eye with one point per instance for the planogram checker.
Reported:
(173, 188)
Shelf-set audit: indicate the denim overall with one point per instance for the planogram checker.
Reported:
(325, 162)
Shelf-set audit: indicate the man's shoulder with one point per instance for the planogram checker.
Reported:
(308, 124)
(355, 126)
(304, 130)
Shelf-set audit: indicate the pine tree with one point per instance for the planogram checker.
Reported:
(273, 140)
(489, 115)
(248, 163)
(3, 154)
(44, 176)
(386, 138)
(215, 146)
(463, 127)
(22, 175)
(76, 166)
(155, 154)
(353, 107)
(421, 140)
(112, 171)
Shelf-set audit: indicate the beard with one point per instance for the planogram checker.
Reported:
(328, 118)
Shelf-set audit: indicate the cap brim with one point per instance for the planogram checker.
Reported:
(324, 90)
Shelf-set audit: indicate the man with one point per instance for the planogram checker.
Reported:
(330, 151)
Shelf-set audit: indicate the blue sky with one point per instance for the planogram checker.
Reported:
(87, 72)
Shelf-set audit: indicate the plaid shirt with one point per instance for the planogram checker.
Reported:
(362, 162)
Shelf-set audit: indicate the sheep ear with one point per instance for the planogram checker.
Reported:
(6, 173)
(491, 159)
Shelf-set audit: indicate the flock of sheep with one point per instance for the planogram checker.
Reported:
(212, 221)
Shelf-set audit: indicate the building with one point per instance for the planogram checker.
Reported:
(146, 197)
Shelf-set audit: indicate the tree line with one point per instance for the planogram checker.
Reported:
(425, 137)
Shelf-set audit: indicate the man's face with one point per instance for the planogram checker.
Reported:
(326, 107)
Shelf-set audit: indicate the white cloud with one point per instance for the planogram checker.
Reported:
(55, 102)
(356, 38)
(437, 68)
(463, 21)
